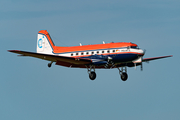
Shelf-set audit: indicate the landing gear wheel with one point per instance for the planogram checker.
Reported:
(49, 65)
(92, 75)
(124, 76)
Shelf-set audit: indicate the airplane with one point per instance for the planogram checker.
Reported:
(118, 55)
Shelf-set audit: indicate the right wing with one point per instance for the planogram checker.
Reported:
(154, 58)
(54, 58)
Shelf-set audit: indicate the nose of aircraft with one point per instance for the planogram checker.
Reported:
(142, 52)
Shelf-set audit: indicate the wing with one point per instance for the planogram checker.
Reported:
(154, 58)
(54, 58)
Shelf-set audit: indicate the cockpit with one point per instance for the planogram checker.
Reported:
(134, 47)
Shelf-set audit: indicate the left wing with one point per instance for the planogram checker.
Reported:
(154, 58)
(54, 58)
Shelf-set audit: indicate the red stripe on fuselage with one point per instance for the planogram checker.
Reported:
(92, 47)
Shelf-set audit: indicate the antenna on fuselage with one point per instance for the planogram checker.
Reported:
(80, 44)
(104, 42)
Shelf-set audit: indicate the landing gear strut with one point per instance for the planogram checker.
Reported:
(124, 75)
(49, 64)
(91, 72)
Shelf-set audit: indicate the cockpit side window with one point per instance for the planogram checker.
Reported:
(134, 47)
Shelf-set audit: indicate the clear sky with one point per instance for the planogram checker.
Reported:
(29, 90)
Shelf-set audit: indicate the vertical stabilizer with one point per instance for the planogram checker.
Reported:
(44, 43)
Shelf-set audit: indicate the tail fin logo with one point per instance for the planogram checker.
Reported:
(40, 42)
(44, 43)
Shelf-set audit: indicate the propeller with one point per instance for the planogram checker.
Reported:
(109, 58)
(141, 66)
(109, 61)
(142, 61)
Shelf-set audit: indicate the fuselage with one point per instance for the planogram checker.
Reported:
(99, 53)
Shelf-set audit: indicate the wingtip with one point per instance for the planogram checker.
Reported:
(13, 50)
(169, 56)
(9, 50)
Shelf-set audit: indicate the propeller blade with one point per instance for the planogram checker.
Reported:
(141, 64)
(141, 67)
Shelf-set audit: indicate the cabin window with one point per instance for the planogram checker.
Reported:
(76, 53)
(71, 54)
(82, 53)
(108, 51)
(87, 53)
(92, 53)
(97, 52)
(113, 50)
(102, 51)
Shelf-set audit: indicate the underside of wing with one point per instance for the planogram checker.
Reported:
(154, 58)
(54, 58)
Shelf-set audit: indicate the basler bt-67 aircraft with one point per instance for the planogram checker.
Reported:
(118, 55)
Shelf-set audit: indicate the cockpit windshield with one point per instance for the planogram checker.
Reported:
(134, 47)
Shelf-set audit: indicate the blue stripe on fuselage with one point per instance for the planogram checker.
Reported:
(116, 58)
(124, 57)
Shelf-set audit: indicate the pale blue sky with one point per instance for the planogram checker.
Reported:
(30, 90)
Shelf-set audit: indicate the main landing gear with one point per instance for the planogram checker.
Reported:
(124, 75)
(122, 72)
(91, 72)
(92, 75)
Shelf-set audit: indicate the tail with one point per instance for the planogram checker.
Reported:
(44, 43)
